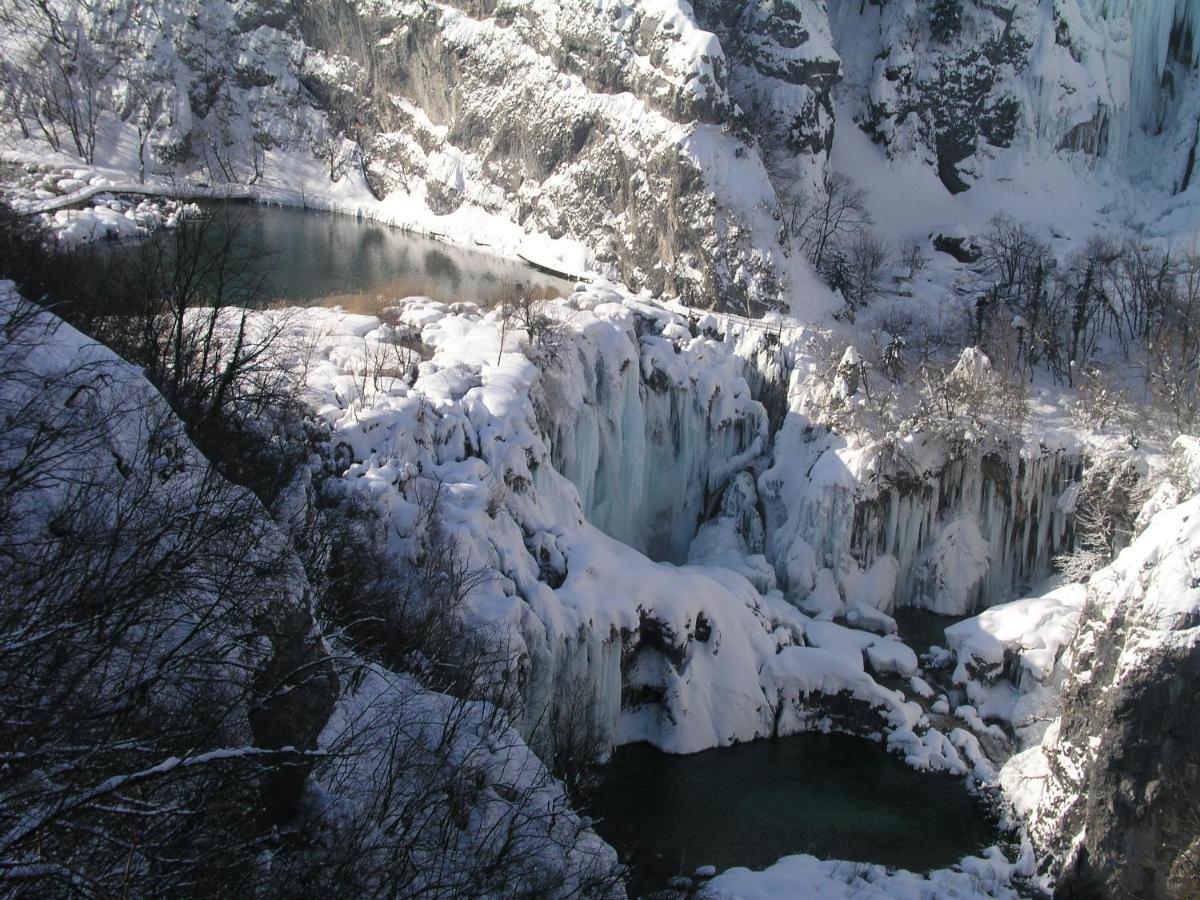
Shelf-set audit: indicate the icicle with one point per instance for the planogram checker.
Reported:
(1152, 23)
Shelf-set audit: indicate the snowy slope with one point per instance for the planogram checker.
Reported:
(1051, 110)
(83, 423)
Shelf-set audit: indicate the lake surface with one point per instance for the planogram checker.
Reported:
(314, 258)
(832, 796)
(327, 259)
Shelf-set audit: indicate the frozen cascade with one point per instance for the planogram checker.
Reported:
(1155, 25)
(651, 435)
(965, 535)
(856, 525)
(1015, 506)
(1138, 41)
(605, 645)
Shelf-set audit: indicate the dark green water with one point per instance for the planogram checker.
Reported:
(921, 629)
(833, 796)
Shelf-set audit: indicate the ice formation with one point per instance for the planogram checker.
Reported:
(531, 462)
(650, 428)
(923, 528)
(1161, 30)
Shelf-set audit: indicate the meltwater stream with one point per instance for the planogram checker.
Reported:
(831, 796)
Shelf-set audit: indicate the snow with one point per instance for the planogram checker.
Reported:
(953, 568)
(1093, 68)
(558, 476)
(1145, 603)
(807, 877)
(1034, 629)
(406, 738)
(794, 674)
(599, 476)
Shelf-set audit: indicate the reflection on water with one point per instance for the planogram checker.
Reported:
(324, 259)
(833, 796)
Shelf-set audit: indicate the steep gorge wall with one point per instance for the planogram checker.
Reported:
(610, 124)
(953, 83)
(1111, 793)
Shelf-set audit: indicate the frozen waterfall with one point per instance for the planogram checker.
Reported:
(1137, 43)
(649, 436)
(1162, 30)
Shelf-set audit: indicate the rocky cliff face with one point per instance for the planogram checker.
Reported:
(665, 138)
(783, 69)
(615, 124)
(1112, 791)
(955, 81)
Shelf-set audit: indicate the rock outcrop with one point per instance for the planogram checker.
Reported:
(612, 124)
(1112, 792)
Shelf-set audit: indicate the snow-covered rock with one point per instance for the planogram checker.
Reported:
(1113, 780)
(635, 430)
(804, 876)
(1012, 657)
(956, 85)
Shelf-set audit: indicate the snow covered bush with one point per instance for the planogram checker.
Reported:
(527, 311)
(975, 401)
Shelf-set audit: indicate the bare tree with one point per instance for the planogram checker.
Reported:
(526, 309)
(577, 742)
(1105, 514)
(1172, 347)
(144, 735)
(438, 798)
(860, 272)
(146, 103)
(1084, 285)
(62, 83)
(913, 257)
(823, 220)
(1010, 253)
